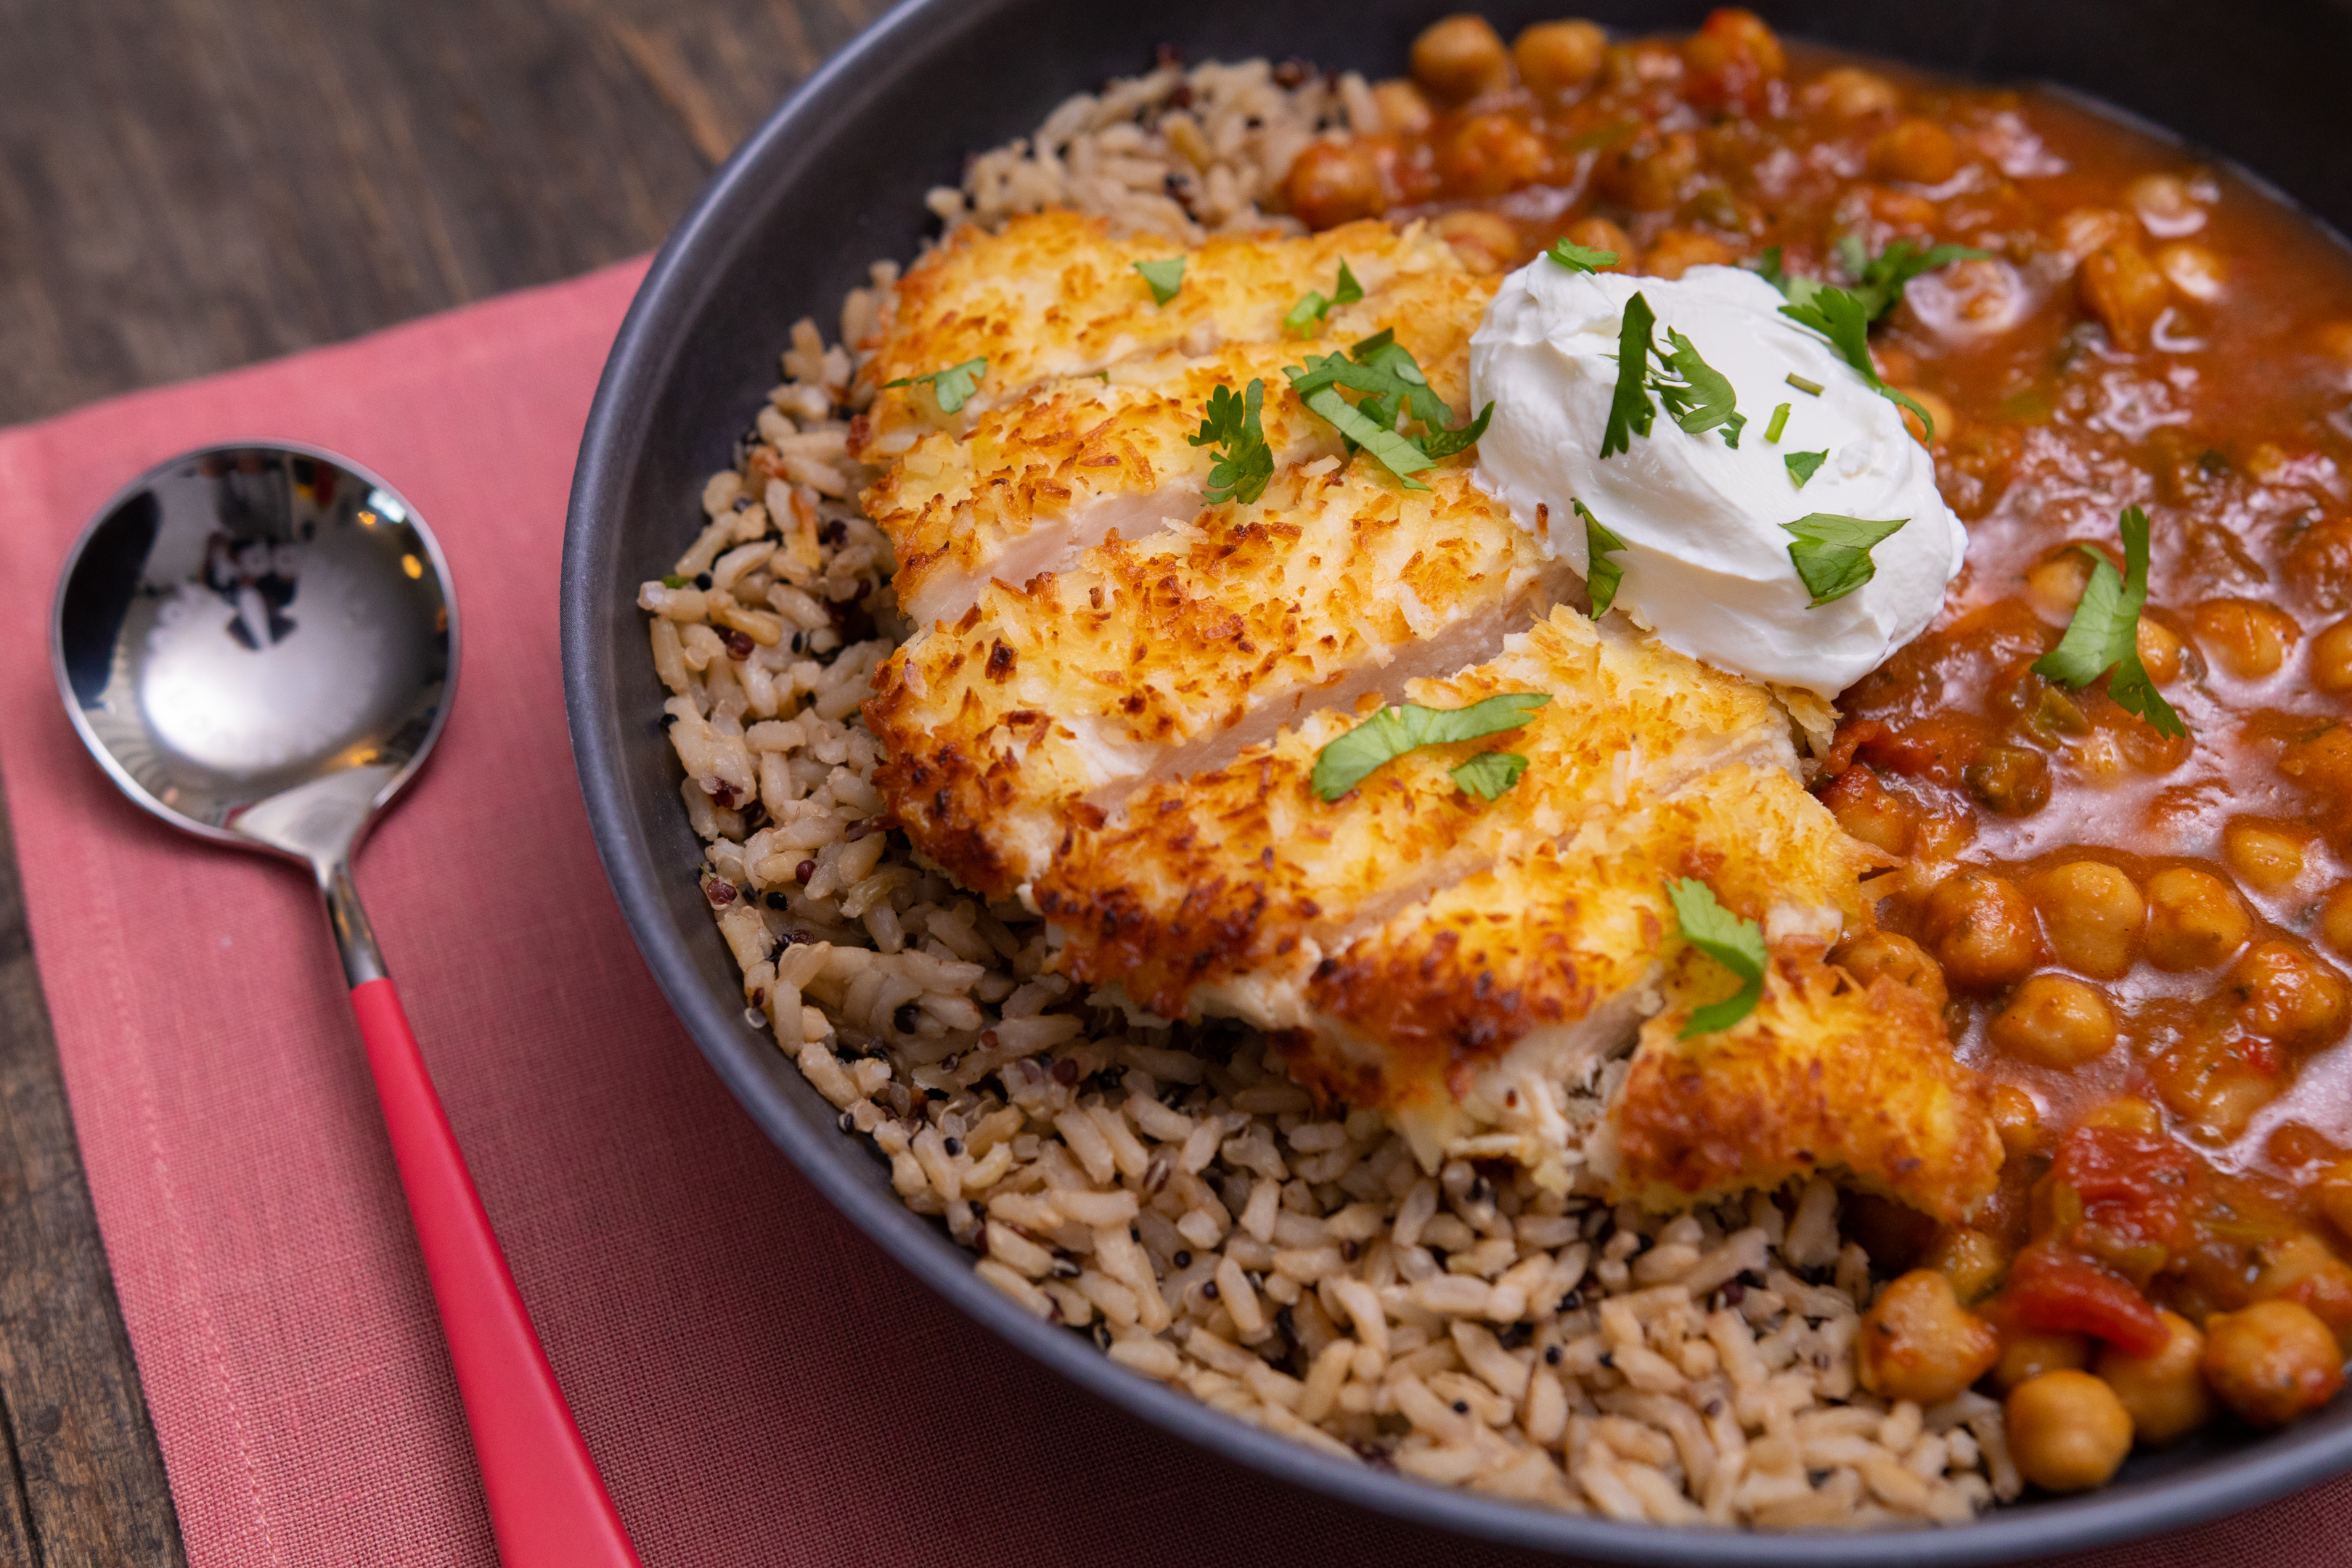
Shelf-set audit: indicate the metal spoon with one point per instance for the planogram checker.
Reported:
(259, 644)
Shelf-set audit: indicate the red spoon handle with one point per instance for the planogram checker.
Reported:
(547, 1503)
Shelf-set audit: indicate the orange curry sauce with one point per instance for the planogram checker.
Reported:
(2168, 1021)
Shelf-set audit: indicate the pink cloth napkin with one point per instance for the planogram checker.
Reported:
(760, 1385)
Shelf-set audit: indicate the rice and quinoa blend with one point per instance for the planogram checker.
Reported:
(1170, 1191)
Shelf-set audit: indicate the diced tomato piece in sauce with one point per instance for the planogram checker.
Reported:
(2055, 1291)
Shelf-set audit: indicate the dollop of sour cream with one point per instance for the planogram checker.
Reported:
(1705, 560)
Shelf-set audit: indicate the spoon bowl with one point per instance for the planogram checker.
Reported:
(258, 642)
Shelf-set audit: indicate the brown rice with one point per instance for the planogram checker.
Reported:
(1168, 1191)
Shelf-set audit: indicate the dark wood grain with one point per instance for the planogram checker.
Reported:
(187, 185)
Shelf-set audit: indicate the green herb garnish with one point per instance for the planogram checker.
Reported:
(1489, 774)
(1696, 394)
(1879, 280)
(1630, 409)
(1737, 945)
(1165, 278)
(1394, 388)
(1832, 553)
(1802, 384)
(1314, 305)
(1245, 466)
(1802, 465)
(1779, 423)
(675, 579)
(952, 386)
(1392, 732)
(1601, 574)
(1840, 316)
(1581, 257)
(2104, 633)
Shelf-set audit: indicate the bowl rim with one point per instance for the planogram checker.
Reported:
(664, 305)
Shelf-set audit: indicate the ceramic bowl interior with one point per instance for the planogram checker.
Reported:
(835, 179)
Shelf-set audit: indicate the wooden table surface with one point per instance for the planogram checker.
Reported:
(196, 186)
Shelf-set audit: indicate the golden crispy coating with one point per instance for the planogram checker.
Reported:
(1046, 704)
(1057, 295)
(1824, 1076)
(1214, 888)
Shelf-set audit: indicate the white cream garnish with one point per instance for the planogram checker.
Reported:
(1706, 561)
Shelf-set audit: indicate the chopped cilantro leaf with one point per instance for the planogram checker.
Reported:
(1803, 466)
(1581, 257)
(1489, 774)
(1630, 409)
(952, 386)
(1832, 553)
(1737, 945)
(1779, 423)
(1879, 280)
(1840, 316)
(1314, 305)
(1443, 442)
(1392, 732)
(1601, 574)
(1811, 387)
(1395, 453)
(2104, 633)
(675, 579)
(1394, 386)
(1246, 464)
(1695, 394)
(1165, 277)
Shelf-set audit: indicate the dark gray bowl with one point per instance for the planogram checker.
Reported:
(835, 178)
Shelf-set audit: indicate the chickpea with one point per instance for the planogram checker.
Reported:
(2331, 659)
(2067, 1431)
(2286, 995)
(2192, 269)
(2320, 564)
(1852, 93)
(1918, 151)
(2026, 1355)
(1869, 811)
(2195, 920)
(1647, 172)
(1731, 58)
(2122, 289)
(1898, 958)
(1332, 183)
(2267, 858)
(1919, 1343)
(2335, 918)
(1459, 59)
(1489, 156)
(2167, 205)
(2159, 649)
(2054, 586)
(2164, 1394)
(2300, 1269)
(2017, 1118)
(2054, 1021)
(2091, 913)
(2271, 1362)
(1554, 56)
(1971, 1260)
(1404, 110)
(1484, 241)
(2248, 639)
(2083, 231)
(1677, 250)
(2335, 1194)
(1981, 929)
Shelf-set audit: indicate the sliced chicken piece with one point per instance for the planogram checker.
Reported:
(1041, 711)
(1056, 295)
(1826, 1075)
(1220, 894)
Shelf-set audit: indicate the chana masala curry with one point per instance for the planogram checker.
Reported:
(2134, 918)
